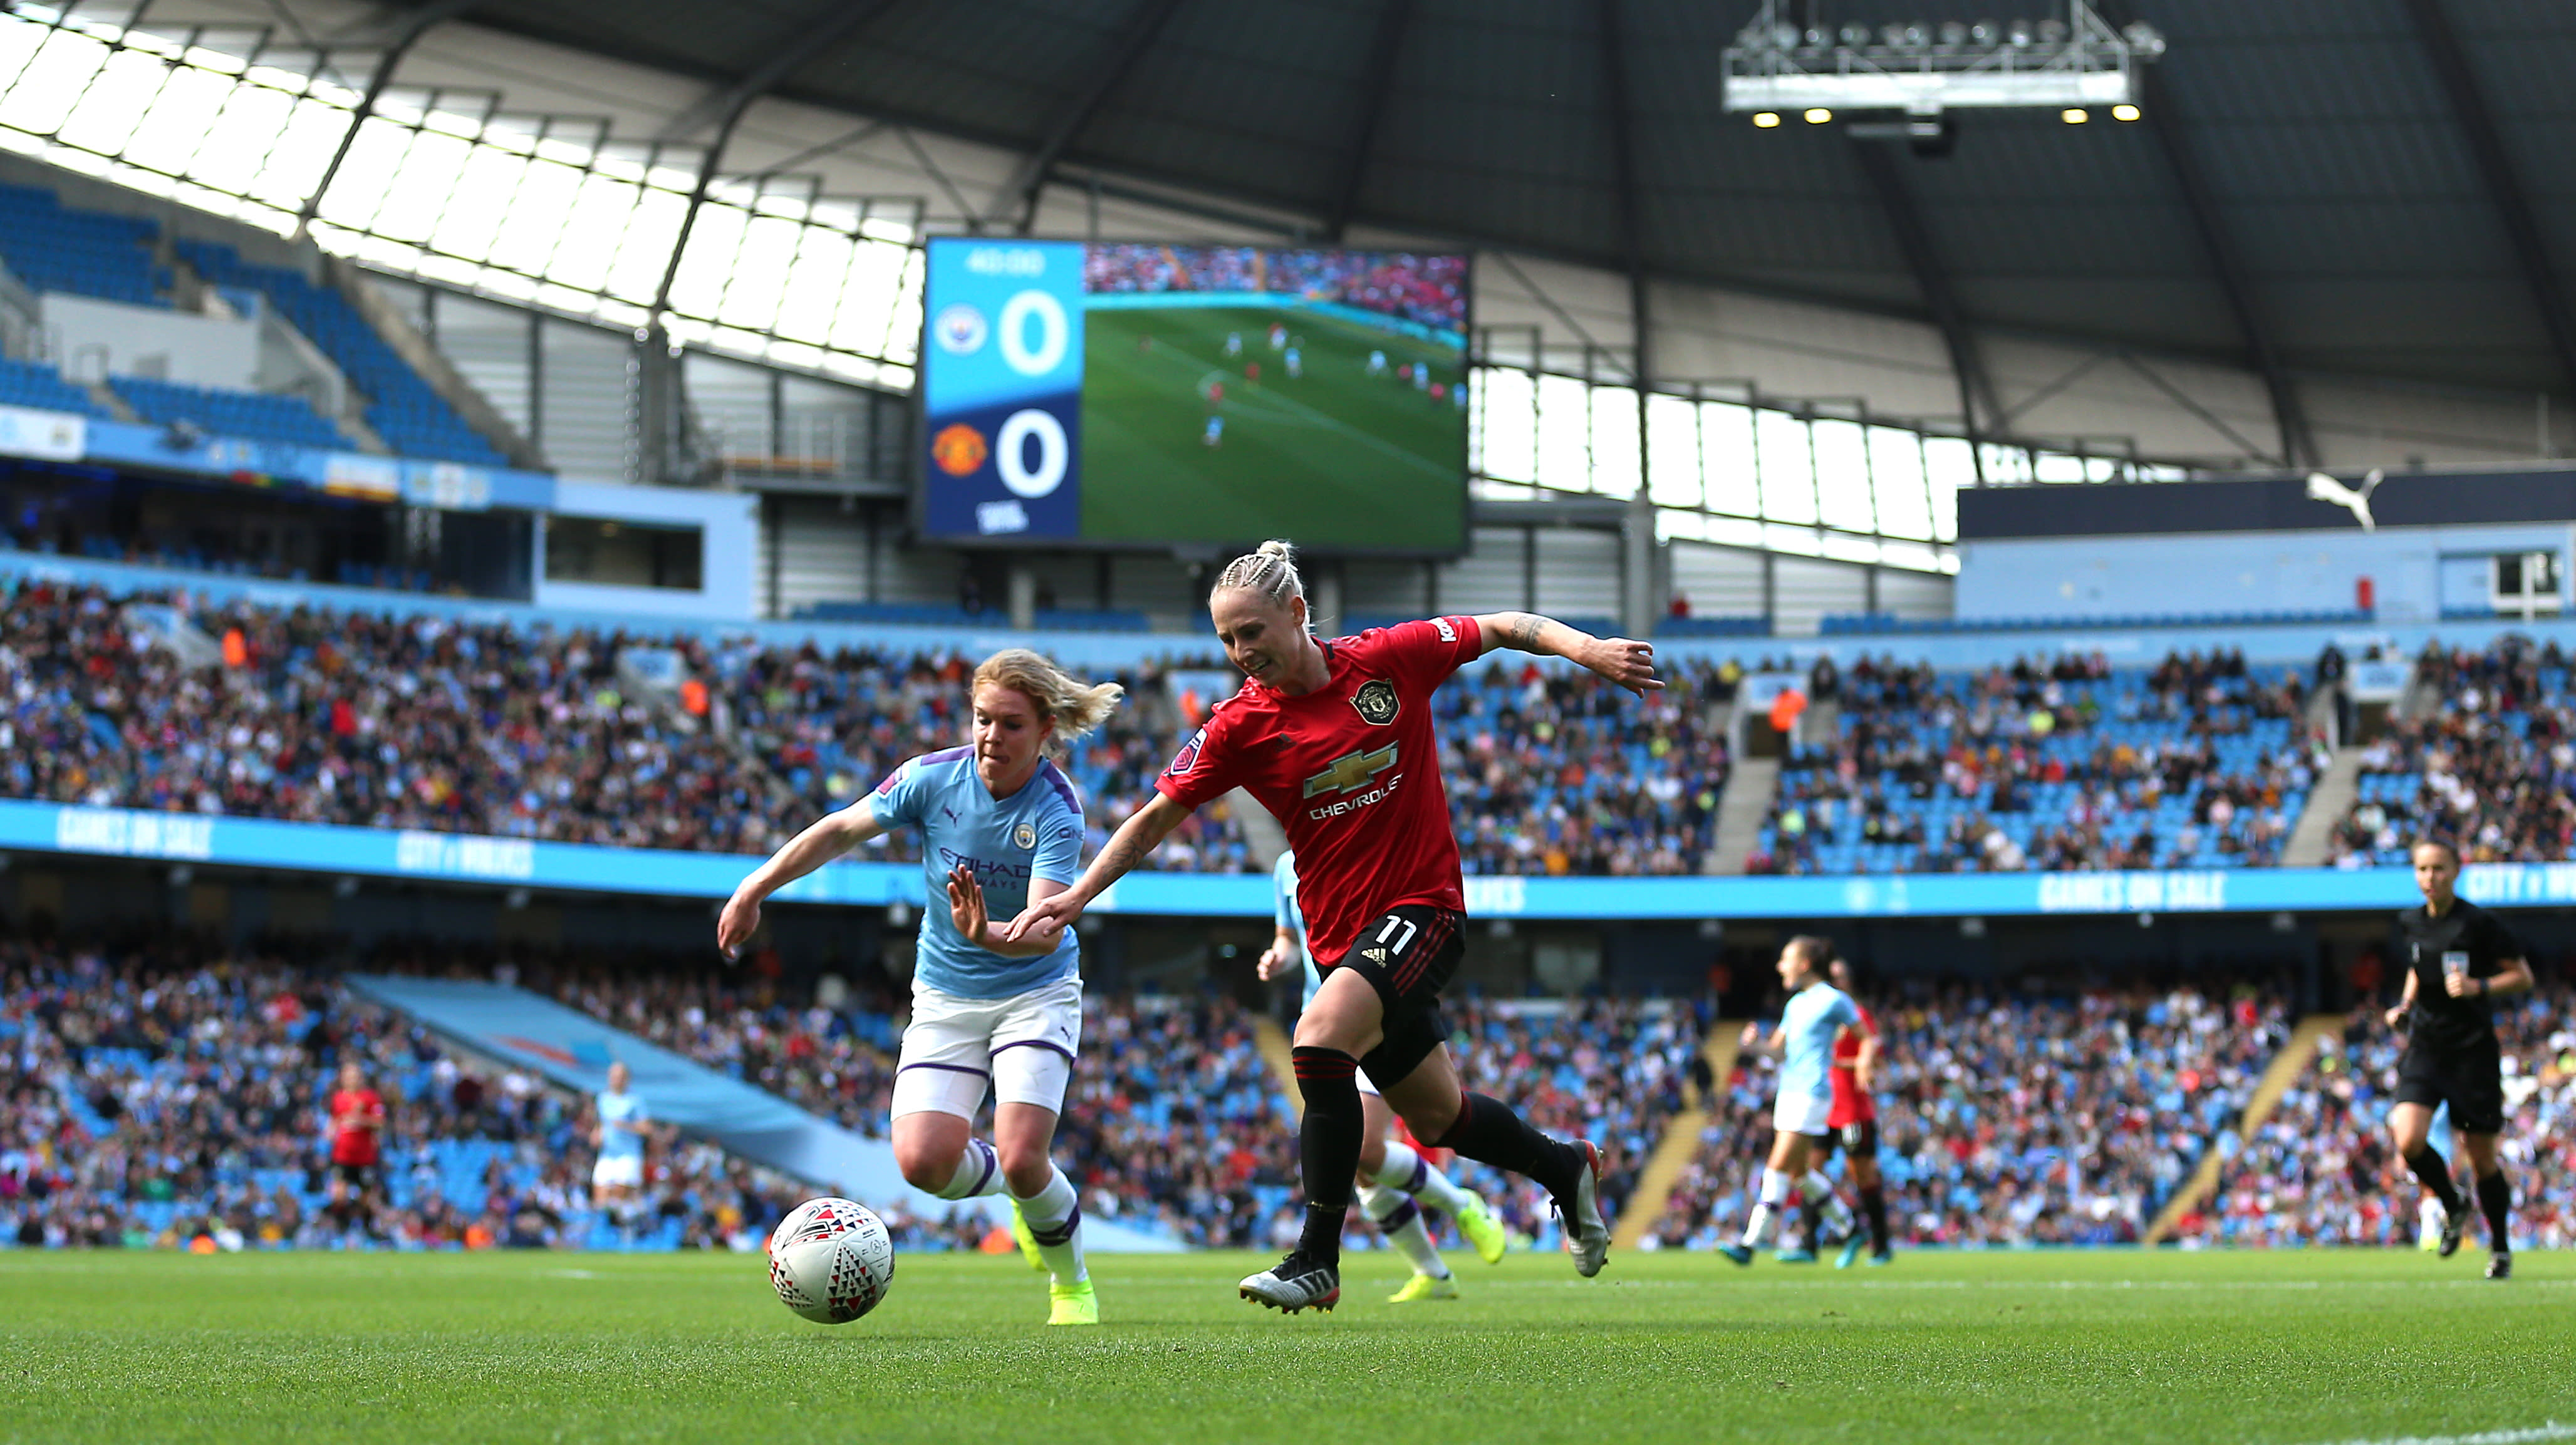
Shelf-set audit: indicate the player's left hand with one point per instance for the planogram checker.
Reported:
(1752, 1036)
(1619, 660)
(966, 904)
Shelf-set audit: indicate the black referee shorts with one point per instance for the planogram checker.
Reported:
(2471, 1083)
(1408, 954)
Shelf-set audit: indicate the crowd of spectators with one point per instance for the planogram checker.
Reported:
(2054, 765)
(1430, 290)
(429, 722)
(2491, 767)
(2320, 1170)
(175, 1094)
(2013, 1120)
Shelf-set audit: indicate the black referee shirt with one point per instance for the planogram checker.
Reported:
(2443, 1024)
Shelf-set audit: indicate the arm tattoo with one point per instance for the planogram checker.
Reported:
(1522, 632)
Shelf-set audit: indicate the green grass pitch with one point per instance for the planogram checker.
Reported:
(2269, 1349)
(1333, 458)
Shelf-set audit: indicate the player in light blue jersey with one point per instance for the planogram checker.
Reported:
(1000, 829)
(1395, 1180)
(1817, 1012)
(620, 1134)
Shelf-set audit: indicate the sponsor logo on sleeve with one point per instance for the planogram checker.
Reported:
(1447, 632)
(1376, 702)
(1188, 757)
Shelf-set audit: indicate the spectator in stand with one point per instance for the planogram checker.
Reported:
(2493, 767)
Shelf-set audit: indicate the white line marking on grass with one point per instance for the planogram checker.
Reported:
(2551, 1431)
(572, 1274)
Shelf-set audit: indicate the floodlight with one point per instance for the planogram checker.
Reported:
(2074, 62)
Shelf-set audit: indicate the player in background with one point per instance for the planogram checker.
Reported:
(619, 1132)
(1234, 343)
(1817, 1012)
(1394, 1179)
(1000, 828)
(1377, 363)
(1278, 336)
(1336, 739)
(357, 1145)
(2458, 957)
(1852, 1124)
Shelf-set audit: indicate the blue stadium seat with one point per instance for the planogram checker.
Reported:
(51, 247)
(413, 419)
(36, 385)
(229, 413)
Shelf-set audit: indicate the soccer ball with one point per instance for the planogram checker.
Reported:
(830, 1260)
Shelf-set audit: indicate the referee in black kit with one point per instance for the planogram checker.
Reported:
(2458, 956)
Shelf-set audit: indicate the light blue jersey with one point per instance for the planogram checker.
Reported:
(1292, 919)
(618, 1136)
(1009, 842)
(1807, 1028)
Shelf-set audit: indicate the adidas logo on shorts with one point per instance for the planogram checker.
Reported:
(1374, 955)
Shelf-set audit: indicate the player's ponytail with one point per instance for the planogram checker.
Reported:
(1071, 706)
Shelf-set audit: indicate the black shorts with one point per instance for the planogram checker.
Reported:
(2471, 1083)
(1408, 954)
(360, 1177)
(1857, 1140)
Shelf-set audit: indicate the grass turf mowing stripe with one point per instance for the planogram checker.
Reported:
(1988, 1346)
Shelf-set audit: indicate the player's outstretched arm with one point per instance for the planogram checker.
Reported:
(1139, 835)
(1627, 663)
(826, 840)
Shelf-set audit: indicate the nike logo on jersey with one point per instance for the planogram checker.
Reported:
(1351, 771)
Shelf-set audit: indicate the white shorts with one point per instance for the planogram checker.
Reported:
(1803, 1114)
(1021, 1046)
(614, 1173)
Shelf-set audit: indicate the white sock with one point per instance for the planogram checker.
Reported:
(1405, 1169)
(1055, 1217)
(978, 1172)
(1820, 1191)
(1400, 1220)
(1775, 1192)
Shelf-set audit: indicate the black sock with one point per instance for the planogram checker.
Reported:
(1488, 1132)
(1873, 1206)
(1328, 1145)
(2495, 1197)
(2433, 1173)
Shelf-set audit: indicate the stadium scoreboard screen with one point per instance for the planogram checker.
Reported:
(1126, 395)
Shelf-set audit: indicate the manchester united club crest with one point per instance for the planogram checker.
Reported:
(1375, 701)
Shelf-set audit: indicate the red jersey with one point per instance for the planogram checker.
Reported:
(358, 1145)
(1351, 771)
(1852, 1104)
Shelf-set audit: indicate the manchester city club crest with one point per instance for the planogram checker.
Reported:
(960, 329)
(1375, 701)
(1026, 835)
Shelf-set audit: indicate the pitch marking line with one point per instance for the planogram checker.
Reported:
(2551, 1431)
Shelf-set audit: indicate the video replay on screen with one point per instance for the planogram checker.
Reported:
(1139, 394)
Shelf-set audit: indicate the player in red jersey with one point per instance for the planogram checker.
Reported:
(1336, 739)
(357, 1127)
(1853, 1123)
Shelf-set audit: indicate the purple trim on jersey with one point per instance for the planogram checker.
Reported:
(1034, 1044)
(1061, 1234)
(1063, 786)
(951, 1068)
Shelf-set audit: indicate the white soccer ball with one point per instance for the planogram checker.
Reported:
(830, 1260)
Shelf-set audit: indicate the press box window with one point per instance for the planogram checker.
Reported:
(623, 554)
(2526, 582)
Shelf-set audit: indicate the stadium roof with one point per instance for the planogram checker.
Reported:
(2380, 187)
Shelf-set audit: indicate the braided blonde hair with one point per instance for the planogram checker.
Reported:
(1268, 571)
(1071, 706)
